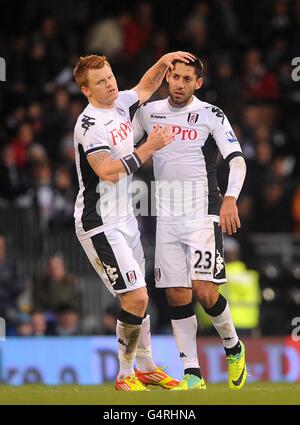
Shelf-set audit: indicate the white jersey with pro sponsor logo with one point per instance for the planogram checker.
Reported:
(99, 203)
(185, 170)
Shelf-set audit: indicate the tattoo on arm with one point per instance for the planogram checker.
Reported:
(156, 78)
(95, 159)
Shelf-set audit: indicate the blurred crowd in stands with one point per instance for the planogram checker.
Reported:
(247, 49)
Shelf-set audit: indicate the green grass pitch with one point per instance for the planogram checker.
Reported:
(258, 393)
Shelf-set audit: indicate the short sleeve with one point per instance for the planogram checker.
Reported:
(130, 100)
(223, 133)
(138, 128)
(92, 135)
(129, 97)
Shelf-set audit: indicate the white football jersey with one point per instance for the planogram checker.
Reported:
(185, 170)
(100, 203)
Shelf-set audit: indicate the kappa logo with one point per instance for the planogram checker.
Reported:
(158, 117)
(99, 265)
(87, 122)
(157, 274)
(131, 277)
(181, 355)
(218, 112)
(111, 273)
(219, 263)
(121, 342)
(193, 118)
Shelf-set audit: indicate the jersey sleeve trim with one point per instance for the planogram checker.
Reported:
(98, 148)
(234, 155)
(139, 142)
(132, 109)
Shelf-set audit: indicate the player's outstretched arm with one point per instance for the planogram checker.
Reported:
(153, 78)
(229, 215)
(112, 170)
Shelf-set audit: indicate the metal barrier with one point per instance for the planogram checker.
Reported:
(30, 248)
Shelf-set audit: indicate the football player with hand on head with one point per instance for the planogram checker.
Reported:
(104, 220)
(189, 256)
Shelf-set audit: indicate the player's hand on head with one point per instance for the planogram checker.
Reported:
(229, 216)
(185, 57)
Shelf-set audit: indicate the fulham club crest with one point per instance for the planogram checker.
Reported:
(131, 277)
(193, 118)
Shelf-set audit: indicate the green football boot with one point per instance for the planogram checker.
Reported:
(237, 371)
(190, 382)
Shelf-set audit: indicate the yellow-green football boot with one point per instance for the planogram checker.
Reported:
(237, 371)
(190, 382)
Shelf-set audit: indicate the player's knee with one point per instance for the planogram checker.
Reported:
(178, 296)
(206, 296)
(135, 302)
(203, 298)
(140, 299)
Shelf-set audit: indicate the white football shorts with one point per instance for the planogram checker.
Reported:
(189, 251)
(117, 256)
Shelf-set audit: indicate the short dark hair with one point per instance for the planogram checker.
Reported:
(197, 64)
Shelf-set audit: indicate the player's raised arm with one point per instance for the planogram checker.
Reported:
(153, 78)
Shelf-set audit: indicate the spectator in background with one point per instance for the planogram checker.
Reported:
(54, 45)
(63, 199)
(109, 319)
(21, 144)
(11, 285)
(23, 325)
(37, 69)
(37, 155)
(227, 22)
(195, 29)
(55, 287)
(55, 122)
(39, 323)
(34, 116)
(138, 29)
(227, 87)
(67, 321)
(106, 36)
(12, 181)
(44, 193)
(280, 20)
(273, 208)
(258, 167)
(258, 83)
